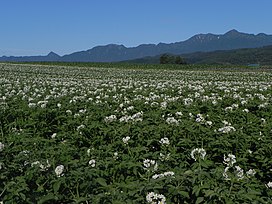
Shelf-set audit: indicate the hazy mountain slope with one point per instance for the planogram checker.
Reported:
(198, 43)
(50, 57)
(262, 55)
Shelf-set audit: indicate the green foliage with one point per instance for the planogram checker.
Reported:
(171, 59)
(107, 125)
(262, 56)
(152, 66)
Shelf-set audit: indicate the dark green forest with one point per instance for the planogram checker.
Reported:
(261, 56)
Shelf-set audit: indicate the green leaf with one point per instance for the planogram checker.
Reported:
(199, 200)
(22, 196)
(188, 172)
(184, 194)
(102, 182)
(46, 198)
(80, 200)
(208, 193)
(40, 188)
(56, 186)
(196, 190)
(135, 172)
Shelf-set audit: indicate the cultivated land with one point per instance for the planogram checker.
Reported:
(72, 134)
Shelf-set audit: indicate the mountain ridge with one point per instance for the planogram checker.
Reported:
(232, 39)
(244, 56)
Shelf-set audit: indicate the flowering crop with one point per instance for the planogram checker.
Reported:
(115, 135)
(59, 170)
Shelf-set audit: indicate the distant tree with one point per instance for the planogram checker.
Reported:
(171, 59)
(164, 59)
(179, 60)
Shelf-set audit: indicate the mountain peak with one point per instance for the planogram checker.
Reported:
(262, 35)
(52, 54)
(114, 46)
(232, 32)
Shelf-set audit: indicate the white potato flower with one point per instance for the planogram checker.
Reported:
(110, 118)
(165, 174)
(165, 141)
(200, 151)
(150, 165)
(59, 170)
(229, 160)
(1, 146)
(239, 172)
(115, 155)
(126, 139)
(53, 135)
(269, 184)
(172, 120)
(92, 163)
(251, 172)
(155, 198)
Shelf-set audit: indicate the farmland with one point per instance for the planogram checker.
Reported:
(72, 134)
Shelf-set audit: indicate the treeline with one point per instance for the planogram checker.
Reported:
(171, 59)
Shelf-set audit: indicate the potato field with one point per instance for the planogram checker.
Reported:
(71, 134)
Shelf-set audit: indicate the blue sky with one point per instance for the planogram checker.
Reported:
(36, 27)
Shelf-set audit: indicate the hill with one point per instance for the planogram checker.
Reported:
(262, 56)
(48, 58)
(198, 43)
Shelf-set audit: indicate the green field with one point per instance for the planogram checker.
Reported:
(117, 133)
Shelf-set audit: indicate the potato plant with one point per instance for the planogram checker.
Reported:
(73, 134)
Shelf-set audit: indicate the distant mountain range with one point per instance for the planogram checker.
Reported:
(245, 56)
(198, 43)
(50, 57)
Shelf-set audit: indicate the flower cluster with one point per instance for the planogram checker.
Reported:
(43, 167)
(200, 118)
(165, 141)
(251, 172)
(188, 101)
(178, 114)
(133, 118)
(239, 172)
(155, 198)
(163, 105)
(92, 163)
(53, 136)
(269, 184)
(201, 153)
(165, 174)
(172, 120)
(80, 127)
(110, 119)
(59, 170)
(232, 107)
(227, 128)
(150, 165)
(229, 160)
(115, 155)
(125, 140)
